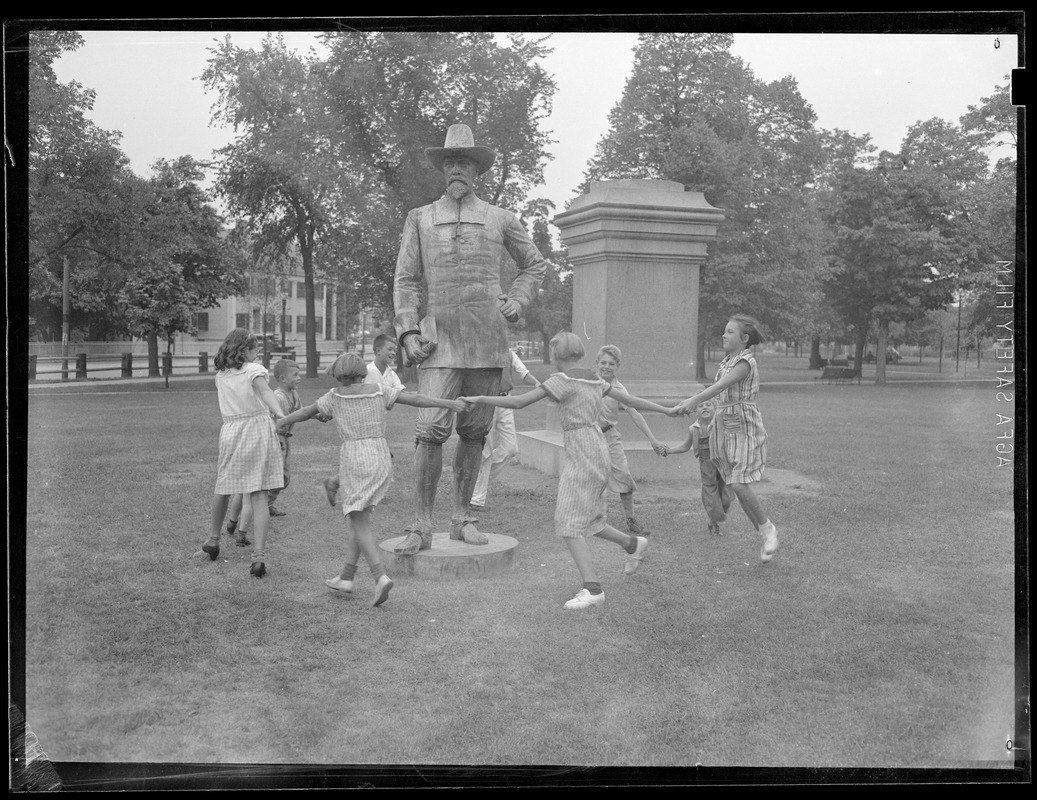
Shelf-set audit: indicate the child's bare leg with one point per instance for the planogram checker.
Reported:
(365, 543)
(261, 520)
(750, 504)
(234, 512)
(219, 511)
(581, 555)
(331, 485)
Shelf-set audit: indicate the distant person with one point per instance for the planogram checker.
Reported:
(502, 442)
(620, 479)
(365, 469)
(381, 373)
(250, 460)
(716, 494)
(738, 440)
(580, 510)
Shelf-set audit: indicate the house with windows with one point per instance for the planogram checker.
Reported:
(274, 305)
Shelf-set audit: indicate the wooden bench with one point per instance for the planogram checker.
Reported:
(839, 375)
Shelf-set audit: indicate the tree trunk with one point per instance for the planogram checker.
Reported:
(880, 353)
(153, 370)
(311, 329)
(815, 352)
(546, 347)
(700, 356)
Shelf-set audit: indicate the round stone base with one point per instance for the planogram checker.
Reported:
(448, 558)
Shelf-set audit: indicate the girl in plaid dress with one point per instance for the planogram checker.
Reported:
(580, 509)
(737, 438)
(250, 460)
(365, 466)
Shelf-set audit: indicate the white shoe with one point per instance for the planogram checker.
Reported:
(634, 559)
(339, 585)
(585, 599)
(770, 542)
(381, 590)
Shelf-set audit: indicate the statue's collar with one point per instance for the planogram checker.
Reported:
(470, 209)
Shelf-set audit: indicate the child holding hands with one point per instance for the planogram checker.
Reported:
(250, 460)
(365, 468)
(737, 438)
(581, 509)
(716, 494)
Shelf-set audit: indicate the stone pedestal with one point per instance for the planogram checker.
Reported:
(448, 559)
(636, 247)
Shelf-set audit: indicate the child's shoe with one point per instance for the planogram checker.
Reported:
(330, 489)
(275, 511)
(584, 599)
(381, 590)
(212, 549)
(633, 560)
(339, 585)
(714, 529)
(770, 542)
(634, 527)
(241, 538)
(257, 570)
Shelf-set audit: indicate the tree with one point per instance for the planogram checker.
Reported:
(889, 237)
(694, 113)
(77, 181)
(278, 175)
(178, 259)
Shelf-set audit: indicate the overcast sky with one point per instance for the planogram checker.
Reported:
(148, 89)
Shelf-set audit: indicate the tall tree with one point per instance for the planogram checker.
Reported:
(692, 112)
(278, 175)
(77, 187)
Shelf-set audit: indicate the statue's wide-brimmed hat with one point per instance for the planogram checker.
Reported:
(461, 142)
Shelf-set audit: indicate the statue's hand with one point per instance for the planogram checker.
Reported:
(509, 308)
(415, 348)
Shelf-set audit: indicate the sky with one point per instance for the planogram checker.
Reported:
(147, 86)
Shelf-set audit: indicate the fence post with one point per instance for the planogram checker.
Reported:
(80, 366)
(64, 369)
(127, 365)
(266, 359)
(203, 361)
(32, 368)
(167, 364)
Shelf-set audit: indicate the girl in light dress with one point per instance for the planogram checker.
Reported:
(737, 438)
(250, 460)
(365, 466)
(581, 508)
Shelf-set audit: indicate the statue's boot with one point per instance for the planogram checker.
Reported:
(428, 466)
(467, 462)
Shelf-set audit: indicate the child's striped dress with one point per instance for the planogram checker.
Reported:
(364, 466)
(580, 510)
(737, 438)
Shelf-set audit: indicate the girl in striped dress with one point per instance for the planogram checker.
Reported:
(581, 507)
(737, 438)
(250, 460)
(365, 468)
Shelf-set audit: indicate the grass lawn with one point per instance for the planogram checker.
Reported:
(881, 636)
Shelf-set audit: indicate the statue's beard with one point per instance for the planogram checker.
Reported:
(457, 189)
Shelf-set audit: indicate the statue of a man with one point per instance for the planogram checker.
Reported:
(451, 320)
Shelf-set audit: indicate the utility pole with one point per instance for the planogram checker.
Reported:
(66, 313)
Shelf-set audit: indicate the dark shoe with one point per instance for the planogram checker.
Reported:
(258, 569)
(241, 539)
(634, 527)
(415, 541)
(476, 508)
(275, 511)
(714, 529)
(212, 550)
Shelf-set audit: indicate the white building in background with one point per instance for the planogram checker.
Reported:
(272, 304)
